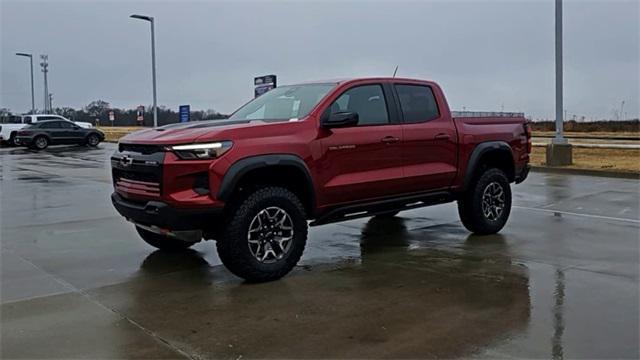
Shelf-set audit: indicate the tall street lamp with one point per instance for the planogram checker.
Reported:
(559, 152)
(33, 101)
(153, 64)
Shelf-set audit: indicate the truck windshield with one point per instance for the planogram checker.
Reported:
(285, 102)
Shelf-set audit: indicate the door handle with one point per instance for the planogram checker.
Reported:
(390, 139)
(442, 136)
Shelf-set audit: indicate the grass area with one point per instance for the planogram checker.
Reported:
(619, 160)
(115, 133)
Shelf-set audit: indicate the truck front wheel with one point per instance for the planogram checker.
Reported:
(485, 207)
(162, 242)
(265, 235)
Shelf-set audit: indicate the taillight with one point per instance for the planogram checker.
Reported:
(528, 134)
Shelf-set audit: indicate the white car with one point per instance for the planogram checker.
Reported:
(9, 128)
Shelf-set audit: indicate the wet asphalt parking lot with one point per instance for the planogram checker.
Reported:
(561, 280)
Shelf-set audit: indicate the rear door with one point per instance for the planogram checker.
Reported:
(429, 139)
(364, 161)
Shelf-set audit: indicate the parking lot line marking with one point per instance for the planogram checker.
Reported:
(579, 215)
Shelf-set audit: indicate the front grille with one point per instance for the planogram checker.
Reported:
(137, 183)
(140, 148)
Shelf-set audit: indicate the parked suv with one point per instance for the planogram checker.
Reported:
(11, 125)
(40, 135)
(320, 152)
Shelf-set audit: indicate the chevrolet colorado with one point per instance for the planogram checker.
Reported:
(320, 152)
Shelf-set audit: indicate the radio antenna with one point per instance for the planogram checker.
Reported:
(395, 71)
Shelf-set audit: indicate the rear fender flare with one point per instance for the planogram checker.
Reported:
(480, 150)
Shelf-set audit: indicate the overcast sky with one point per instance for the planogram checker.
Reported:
(485, 54)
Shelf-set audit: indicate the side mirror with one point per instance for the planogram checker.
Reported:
(341, 119)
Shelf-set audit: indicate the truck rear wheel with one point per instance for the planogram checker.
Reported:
(265, 235)
(161, 242)
(485, 207)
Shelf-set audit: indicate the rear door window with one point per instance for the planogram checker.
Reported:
(417, 102)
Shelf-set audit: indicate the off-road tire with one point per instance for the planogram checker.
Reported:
(470, 204)
(40, 143)
(161, 242)
(233, 246)
(93, 140)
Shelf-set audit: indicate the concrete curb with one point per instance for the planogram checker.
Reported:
(586, 172)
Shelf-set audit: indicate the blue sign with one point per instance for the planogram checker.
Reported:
(185, 113)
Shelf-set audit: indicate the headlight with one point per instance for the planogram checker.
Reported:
(201, 151)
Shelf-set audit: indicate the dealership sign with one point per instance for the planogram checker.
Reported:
(185, 113)
(263, 84)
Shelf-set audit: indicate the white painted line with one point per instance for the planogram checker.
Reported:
(579, 215)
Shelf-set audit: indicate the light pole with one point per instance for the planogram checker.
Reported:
(153, 64)
(45, 69)
(559, 152)
(33, 100)
(559, 139)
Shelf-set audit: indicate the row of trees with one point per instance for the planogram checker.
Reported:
(100, 109)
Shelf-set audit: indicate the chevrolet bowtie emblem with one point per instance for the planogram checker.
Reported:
(126, 161)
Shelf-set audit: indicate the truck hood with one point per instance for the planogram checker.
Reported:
(190, 132)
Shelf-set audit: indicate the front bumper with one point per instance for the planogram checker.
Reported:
(162, 215)
(26, 141)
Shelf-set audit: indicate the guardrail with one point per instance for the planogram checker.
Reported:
(486, 114)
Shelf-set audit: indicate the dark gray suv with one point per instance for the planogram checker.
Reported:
(54, 132)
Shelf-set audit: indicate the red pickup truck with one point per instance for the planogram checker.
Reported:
(320, 152)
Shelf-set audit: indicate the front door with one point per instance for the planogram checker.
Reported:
(363, 161)
(72, 132)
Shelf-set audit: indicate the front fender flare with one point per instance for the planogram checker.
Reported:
(243, 166)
